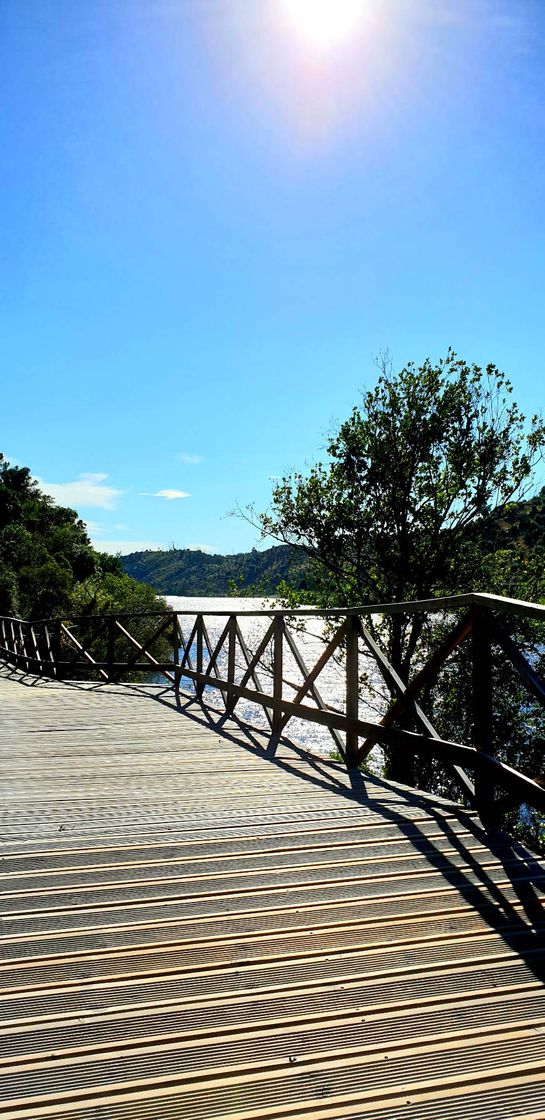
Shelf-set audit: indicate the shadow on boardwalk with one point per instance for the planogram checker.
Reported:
(518, 919)
(520, 923)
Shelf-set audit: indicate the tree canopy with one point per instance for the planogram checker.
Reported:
(417, 499)
(47, 563)
(182, 571)
(411, 475)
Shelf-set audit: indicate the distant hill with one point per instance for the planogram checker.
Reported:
(521, 525)
(182, 571)
(179, 571)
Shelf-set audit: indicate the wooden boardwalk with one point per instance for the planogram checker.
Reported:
(193, 926)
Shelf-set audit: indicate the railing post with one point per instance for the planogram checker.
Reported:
(49, 671)
(278, 672)
(352, 688)
(15, 651)
(199, 685)
(57, 640)
(25, 631)
(231, 657)
(175, 656)
(19, 645)
(110, 657)
(40, 670)
(482, 713)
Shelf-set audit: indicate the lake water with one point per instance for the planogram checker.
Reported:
(309, 639)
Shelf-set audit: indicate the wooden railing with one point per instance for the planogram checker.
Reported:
(179, 648)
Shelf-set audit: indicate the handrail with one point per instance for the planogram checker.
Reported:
(416, 606)
(107, 647)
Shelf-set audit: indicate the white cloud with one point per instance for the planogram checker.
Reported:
(88, 491)
(126, 546)
(201, 548)
(169, 495)
(185, 457)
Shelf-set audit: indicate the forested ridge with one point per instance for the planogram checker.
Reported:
(521, 525)
(182, 571)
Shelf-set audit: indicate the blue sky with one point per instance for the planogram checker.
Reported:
(211, 226)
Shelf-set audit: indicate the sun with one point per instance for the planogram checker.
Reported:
(325, 23)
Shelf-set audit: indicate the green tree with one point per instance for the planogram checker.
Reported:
(48, 566)
(44, 548)
(109, 591)
(409, 505)
(411, 477)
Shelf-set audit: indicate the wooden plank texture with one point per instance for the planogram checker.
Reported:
(195, 925)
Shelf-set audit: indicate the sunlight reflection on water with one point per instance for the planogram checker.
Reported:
(310, 641)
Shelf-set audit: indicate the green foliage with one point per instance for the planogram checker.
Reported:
(115, 593)
(44, 548)
(47, 564)
(410, 476)
(397, 513)
(190, 572)
(417, 499)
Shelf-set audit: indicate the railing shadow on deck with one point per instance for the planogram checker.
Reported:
(524, 873)
(108, 648)
(520, 924)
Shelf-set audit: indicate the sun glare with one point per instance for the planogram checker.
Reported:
(324, 23)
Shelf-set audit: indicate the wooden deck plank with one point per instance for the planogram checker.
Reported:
(193, 926)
